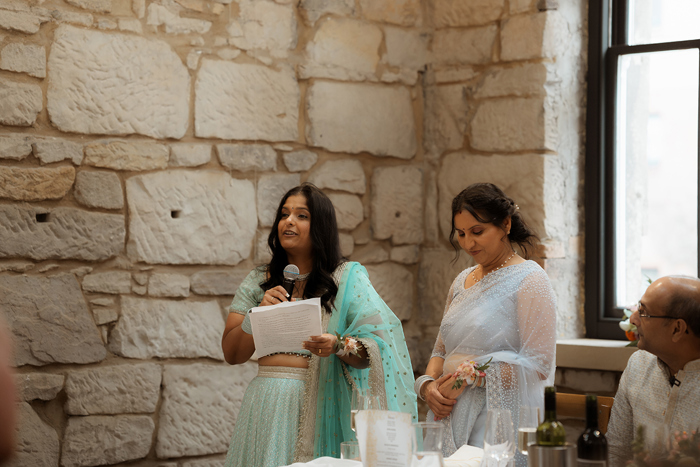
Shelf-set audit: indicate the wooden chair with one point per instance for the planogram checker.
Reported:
(574, 406)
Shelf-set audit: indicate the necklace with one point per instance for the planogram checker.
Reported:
(499, 267)
(303, 277)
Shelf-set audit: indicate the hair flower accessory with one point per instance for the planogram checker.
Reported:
(467, 372)
(347, 345)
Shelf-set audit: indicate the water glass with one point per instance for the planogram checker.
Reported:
(427, 445)
(363, 402)
(350, 450)
(527, 427)
(499, 439)
(354, 407)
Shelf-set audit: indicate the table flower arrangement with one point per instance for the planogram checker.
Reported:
(629, 328)
(682, 450)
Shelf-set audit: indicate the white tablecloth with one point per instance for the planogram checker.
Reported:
(329, 462)
(466, 456)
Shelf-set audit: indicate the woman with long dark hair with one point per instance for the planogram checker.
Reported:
(499, 313)
(298, 407)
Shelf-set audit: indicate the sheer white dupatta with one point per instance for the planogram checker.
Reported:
(509, 316)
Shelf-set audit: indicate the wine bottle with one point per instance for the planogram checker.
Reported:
(592, 445)
(550, 432)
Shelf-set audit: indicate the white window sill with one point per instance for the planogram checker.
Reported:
(593, 354)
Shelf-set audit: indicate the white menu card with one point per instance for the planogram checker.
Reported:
(384, 438)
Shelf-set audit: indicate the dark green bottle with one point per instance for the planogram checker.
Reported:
(592, 445)
(550, 432)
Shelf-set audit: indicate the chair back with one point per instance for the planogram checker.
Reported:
(574, 406)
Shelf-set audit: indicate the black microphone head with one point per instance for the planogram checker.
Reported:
(291, 272)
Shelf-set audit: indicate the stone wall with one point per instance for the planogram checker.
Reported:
(144, 145)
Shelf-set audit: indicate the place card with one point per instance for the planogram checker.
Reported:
(385, 438)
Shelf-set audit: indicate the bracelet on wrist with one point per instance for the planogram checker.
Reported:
(420, 382)
(479, 382)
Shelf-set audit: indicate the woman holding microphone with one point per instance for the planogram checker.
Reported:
(298, 407)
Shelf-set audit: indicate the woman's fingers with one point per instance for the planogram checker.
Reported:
(443, 378)
(274, 296)
(322, 345)
(439, 397)
(440, 411)
(439, 404)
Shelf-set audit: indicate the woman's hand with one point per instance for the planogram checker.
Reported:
(447, 391)
(323, 345)
(439, 404)
(275, 296)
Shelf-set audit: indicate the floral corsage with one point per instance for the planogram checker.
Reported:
(347, 345)
(468, 372)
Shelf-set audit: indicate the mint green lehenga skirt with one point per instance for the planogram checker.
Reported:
(268, 420)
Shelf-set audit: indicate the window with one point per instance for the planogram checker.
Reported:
(641, 153)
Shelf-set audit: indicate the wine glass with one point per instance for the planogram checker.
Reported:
(350, 450)
(499, 439)
(355, 406)
(363, 402)
(527, 427)
(373, 403)
(427, 445)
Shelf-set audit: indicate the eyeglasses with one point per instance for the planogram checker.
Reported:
(643, 314)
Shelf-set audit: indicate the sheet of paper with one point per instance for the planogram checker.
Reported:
(384, 438)
(283, 327)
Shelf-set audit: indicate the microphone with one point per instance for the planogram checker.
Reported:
(673, 381)
(291, 272)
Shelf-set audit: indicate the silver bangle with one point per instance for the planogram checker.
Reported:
(479, 382)
(420, 382)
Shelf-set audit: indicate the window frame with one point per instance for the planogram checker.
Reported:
(607, 34)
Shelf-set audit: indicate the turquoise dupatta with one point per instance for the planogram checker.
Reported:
(361, 313)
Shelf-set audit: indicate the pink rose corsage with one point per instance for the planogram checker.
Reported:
(467, 372)
(347, 345)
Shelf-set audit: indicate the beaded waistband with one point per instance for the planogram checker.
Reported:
(286, 372)
(298, 353)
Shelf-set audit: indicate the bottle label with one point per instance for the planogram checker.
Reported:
(590, 463)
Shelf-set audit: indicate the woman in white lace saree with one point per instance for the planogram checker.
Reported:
(500, 312)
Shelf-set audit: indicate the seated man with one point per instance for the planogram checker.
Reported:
(660, 388)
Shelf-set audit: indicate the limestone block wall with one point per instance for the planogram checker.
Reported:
(144, 146)
(504, 103)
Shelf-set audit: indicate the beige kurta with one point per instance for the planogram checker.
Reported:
(646, 397)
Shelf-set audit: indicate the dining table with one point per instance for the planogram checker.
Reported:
(466, 456)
